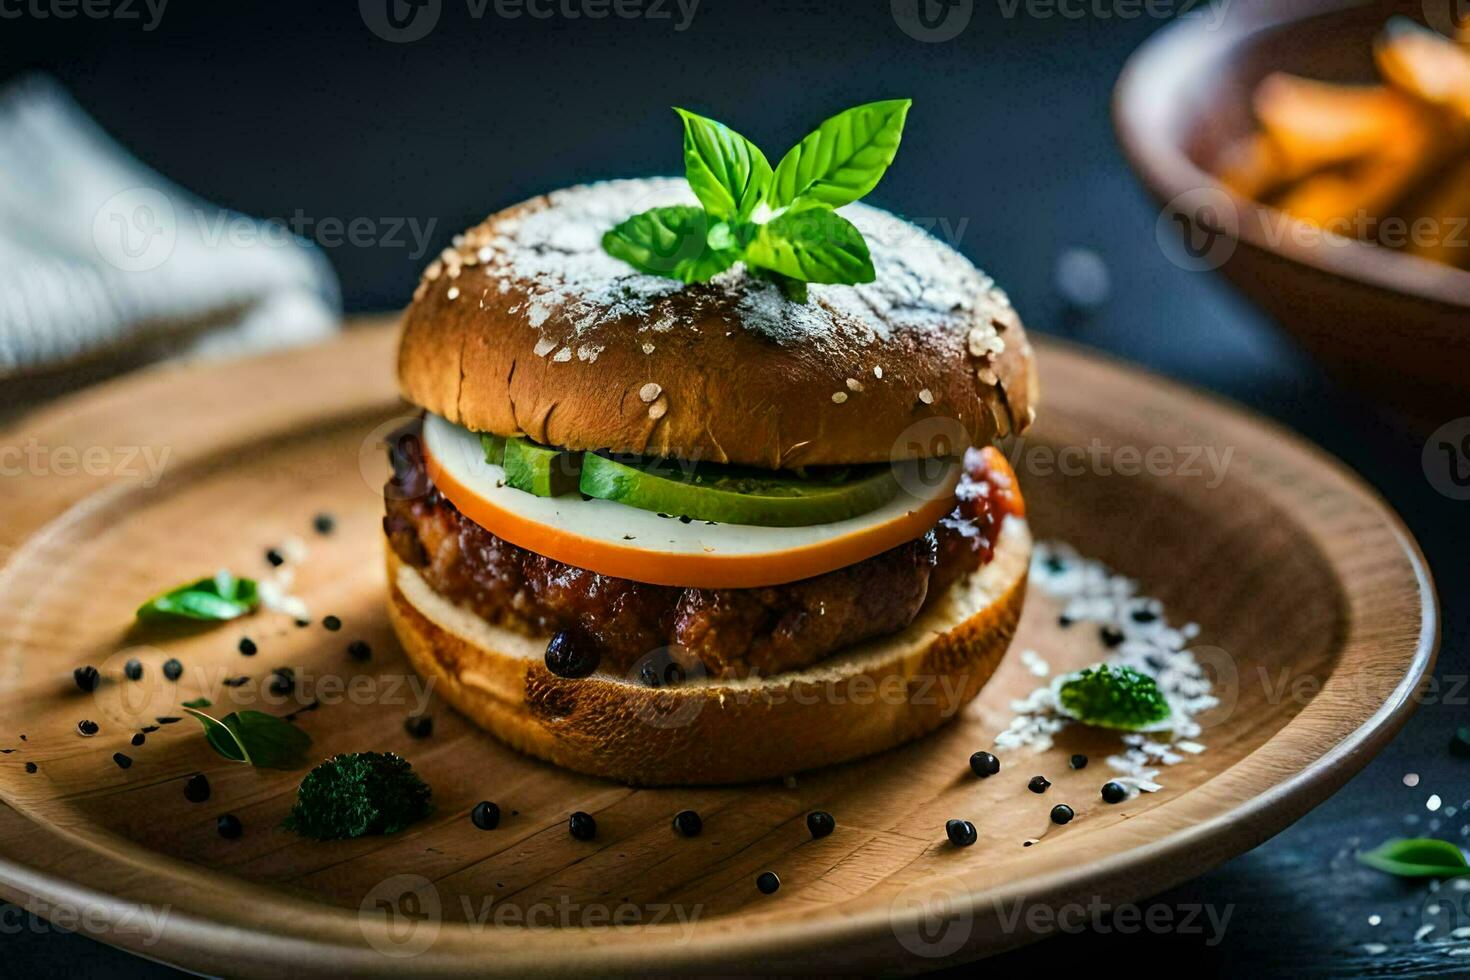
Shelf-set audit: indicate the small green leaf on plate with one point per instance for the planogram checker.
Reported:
(215, 599)
(256, 738)
(812, 245)
(843, 158)
(669, 242)
(727, 172)
(1418, 857)
(198, 703)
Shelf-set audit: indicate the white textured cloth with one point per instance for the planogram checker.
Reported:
(104, 264)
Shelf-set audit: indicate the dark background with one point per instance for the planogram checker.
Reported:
(283, 110)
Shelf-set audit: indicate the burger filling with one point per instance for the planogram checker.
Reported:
(730, 632)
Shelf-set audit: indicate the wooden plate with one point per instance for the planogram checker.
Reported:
(1311, 588)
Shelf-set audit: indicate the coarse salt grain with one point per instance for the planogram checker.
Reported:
(839, 397)
(877, 372)
(650, 391)
(926, 396)
(544, 346)
(853, 384)
(453, 293)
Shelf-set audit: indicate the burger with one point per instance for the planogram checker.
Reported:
(672, 532)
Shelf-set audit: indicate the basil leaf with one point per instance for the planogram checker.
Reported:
(214, 599)
(271, 742)
(1422, 857)
(812, 245)
(220, 737)
(669, 241)
(727, 172)
(843, 158)
(255, 738)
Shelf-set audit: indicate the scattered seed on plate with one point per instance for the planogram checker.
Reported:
(1038, 784)
(229, 826)
(1111, 636)
(122, 761)
(172, 669)
(148, 729)
(819, 823)
(1114, 792)
(303, 623)
(196, 789)
(324, 523)
(419, 726)
(138, 739)
(87, 728)
(133, 670)
(582, 825)
(247, 646)
(31, 767)
(767, 882)
(235, 681)
(358, 650)
(485, 815)
(86, 677)
(687, 823)
(1079, 761)
(283, 681)
(1061, 813)
(332, 623)
(984, 764)
(961, 833)
(168, 720)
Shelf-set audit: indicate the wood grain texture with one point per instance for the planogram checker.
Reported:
(1316, 597)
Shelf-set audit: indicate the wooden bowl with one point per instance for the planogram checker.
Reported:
(1387, 322)
(1318, 622)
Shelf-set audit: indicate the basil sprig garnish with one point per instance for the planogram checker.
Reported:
(804, 240)
(1420, 857)
(214, 599)
(255, 738)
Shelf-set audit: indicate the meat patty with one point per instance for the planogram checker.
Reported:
(732, 632)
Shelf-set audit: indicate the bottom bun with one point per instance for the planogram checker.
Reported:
(868, 698)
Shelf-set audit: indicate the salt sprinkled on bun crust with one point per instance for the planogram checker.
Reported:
(547, 335)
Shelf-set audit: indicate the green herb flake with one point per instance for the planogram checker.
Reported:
(1113, 697)
(804, 241)
(359, 794)
(198, 703)
(220, 597)
(1420, 857)
(255, 738)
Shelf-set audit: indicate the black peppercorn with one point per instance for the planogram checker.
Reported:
(358, 650)
(247, 646)
(324, 524)
(687, 823)
(961, 833)
(229, 826)
(1111, 636)
(767, 882)
(485, 815)
(1061, 813)
(88, 728)
(582, 825)
(172, 669)
(984, 765)
(275, 558)
(331, 623)
(571, 654)
(283, 681)
(1038, 784)
(1114, 792)
(820, 823)
(1079, 761)
(196, 790)
(133, 670)
(86, 677)
(419, 726)
(32, 767)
